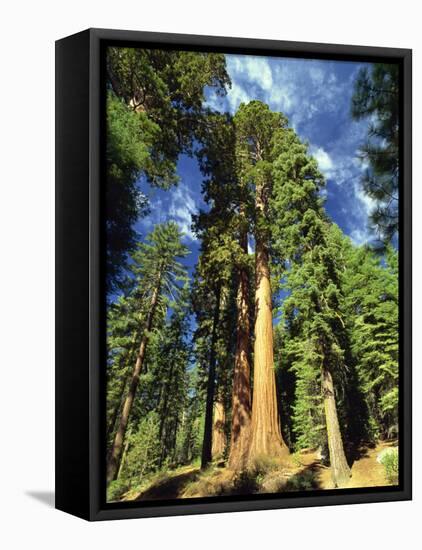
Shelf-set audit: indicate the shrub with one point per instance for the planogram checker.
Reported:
(264, 464)
(389, 458)
(117, 488)
(303, 481)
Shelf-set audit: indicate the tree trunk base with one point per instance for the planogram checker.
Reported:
(275, 449)
(342, 479)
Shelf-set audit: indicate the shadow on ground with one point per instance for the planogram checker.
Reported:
(306, 479)
(45, 497)
(169, 488)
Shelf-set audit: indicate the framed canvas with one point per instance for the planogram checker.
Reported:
(233, 275)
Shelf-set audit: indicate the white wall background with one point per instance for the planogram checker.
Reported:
(27, 36)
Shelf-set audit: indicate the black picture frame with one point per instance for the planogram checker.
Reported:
(80, 468)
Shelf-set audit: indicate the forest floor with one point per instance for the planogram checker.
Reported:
(305, 471)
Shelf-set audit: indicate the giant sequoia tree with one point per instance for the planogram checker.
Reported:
(157, 271)
(255, 126)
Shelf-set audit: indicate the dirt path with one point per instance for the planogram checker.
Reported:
(366, 471)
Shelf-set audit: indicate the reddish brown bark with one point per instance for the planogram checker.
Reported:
(266, 438)
(219, 440)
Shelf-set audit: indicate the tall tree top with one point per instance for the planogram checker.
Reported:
(156, 261)
(256, 125)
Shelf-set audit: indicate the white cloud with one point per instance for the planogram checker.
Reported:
(323, 159)
(182, 206)
(367, 203)
(236, 96)
(317, 75)
(255, 69)
(245, 71)
(360, 236)
(297, 87)
(281, 98)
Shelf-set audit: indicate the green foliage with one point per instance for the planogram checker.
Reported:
(376, 97)
(143, 455)
(337, 304)
(154, 113)
(174, 353)
(305, 253)
(255, 128)
(303, 481)
(129, 140)
(117, 488)
(155, 274)
(308, 415)
(390, 460)
(193, 426)
(371, 289)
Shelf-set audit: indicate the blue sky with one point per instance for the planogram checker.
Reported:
(315, 95)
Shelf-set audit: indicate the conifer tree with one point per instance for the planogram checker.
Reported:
(193, 425)
(173, 360)
(228, 194)
(255, 126)
(376, 96)
(157, 270)
(122, 340)
(154, 113)
(219, 440)
(208, 302)
(305, 240)
(371, 290)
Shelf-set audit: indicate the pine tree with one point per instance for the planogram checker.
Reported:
(376, 96)
(156, 268)
(371, 288)
(228, 196)
(219, 440)
(130, 137)
(216, 228)
(191, 436)
(173, 360)
(122, 340)
(305, 241)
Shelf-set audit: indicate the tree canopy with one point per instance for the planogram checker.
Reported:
(270, 355)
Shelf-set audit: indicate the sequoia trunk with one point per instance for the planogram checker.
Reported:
(266, 438)
(241, 397)
(219, 440)
(340, 470)
(116, 450)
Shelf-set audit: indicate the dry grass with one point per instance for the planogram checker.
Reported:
(301, 471)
